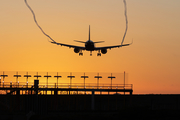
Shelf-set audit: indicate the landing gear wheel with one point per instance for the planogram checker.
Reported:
(99, 54)
(80, 54)
(90, 53)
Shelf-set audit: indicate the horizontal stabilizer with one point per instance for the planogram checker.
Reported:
(99, 42)
(79, 41)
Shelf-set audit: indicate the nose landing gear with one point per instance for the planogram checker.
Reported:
(90, 53)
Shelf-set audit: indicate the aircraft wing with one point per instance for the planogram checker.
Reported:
(70, 46)
(109, 47)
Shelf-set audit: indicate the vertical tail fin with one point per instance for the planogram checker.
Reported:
(89, 32)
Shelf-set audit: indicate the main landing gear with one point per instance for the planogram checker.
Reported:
(99, 54)
(80, 54)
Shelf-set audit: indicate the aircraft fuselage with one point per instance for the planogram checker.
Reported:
(89, 45)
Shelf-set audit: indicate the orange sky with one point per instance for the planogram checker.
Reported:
(152, 61)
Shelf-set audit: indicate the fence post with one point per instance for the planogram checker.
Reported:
(92, 100)
(36, 85)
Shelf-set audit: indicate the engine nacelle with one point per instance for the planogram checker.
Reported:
(103, 51)
(76, 50)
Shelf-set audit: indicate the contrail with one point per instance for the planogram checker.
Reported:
(125, 13)
(36, 21)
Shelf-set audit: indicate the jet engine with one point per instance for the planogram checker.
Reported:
(103, 51)
(76, 50)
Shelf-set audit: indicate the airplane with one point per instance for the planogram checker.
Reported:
(90, 46)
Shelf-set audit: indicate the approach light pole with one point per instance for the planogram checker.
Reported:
(98, 80)
(47, 78)
(111, 79)
(84, 79)
(71, 78)
(37, 76)
(17, 76)
(57, 78)
(3, 76)
(27, 76)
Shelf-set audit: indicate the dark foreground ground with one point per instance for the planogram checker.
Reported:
(137, 114)
(138, 107)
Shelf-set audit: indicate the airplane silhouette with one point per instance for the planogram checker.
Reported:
(90, 46)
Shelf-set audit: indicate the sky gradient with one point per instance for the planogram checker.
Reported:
(152, 61)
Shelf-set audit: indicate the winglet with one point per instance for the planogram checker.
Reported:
(131, 42)
(48, 40)
(51, 41)
(127, 44)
